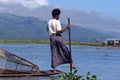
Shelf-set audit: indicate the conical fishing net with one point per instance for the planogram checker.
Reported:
(13, 64)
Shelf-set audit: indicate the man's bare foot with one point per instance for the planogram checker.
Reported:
(55, 71)
(73, 66)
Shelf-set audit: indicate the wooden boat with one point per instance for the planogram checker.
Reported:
(12, 65)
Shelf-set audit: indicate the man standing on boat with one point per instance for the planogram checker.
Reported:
(59, 51)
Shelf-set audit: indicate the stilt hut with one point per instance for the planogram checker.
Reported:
(112, 42)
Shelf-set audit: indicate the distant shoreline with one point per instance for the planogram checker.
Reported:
(47, 42)
(25, 41)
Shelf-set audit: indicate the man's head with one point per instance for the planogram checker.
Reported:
(55, 13)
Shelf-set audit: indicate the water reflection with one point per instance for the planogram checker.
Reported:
(20, 78)
(53, 77)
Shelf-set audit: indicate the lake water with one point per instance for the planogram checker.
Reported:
(101, 61)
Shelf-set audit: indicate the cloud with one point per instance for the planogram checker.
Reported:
(32, 4)
(5, 2)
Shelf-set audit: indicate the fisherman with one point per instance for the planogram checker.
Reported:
(59, 51)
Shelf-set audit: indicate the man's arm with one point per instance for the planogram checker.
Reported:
(64, 29)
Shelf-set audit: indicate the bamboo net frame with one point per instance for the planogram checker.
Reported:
(13, 64)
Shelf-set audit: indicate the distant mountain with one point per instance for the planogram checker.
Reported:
(87, 19)
(17, 27)
(31, 28)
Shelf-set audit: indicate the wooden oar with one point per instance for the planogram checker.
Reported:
(69, 33)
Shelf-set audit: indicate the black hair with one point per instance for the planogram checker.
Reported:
(56, 12)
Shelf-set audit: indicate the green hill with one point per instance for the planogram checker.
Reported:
(30, 28)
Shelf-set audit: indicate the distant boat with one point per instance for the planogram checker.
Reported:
(12, 65)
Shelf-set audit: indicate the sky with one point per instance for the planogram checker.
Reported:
(106, 7)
